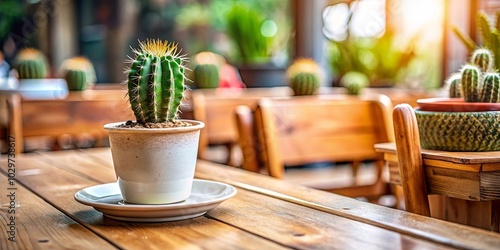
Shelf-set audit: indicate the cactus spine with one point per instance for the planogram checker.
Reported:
(304, 76)
(79, 73)
(206, 76)
(454, 85)
(483, 58)
(471, 78)
(491, 86)
(31, 64)
(156, 82)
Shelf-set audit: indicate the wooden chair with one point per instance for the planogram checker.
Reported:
(81, 114)
(216, 107)
(334, 128)
(410, 160)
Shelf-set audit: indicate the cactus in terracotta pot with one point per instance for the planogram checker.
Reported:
(156, 82)
(304, 76)
(31, 63)
(79, 73)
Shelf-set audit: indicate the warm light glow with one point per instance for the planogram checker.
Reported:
(423, 17)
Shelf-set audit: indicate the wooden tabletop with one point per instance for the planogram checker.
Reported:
(266, 213)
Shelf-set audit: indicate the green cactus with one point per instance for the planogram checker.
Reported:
(490, 36)
(206, 76)
(304, 84)
(471, 83)
(31, 64)
(483, 58)
(490, 90)
(354, 82)
(78, 72)
(156, 82)
(304, 76)
(454, 85)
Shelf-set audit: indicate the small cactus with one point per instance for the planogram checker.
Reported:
(483, 58)
(471, 83)
(206, 76)
(156, 82)
(79, 73)
(491, 86)
(454, 85)
(354, 82)
(31, 64)
(304, 76)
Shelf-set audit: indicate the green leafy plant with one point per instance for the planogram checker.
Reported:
(379, 58)
(490, 36)
(156, 82)
(304, 76)
(244, 27)
(31, 63)
(78, 72)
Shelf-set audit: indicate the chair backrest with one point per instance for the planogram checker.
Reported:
(80, 113)
(216, 108)
(410, 161)
(299, 130)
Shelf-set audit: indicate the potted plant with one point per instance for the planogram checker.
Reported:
(259, 41)
(470, 120)
(78, 72)
(304, 76)
(155, 157)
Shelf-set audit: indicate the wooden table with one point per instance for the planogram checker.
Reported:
(266, 213)
(468, 184)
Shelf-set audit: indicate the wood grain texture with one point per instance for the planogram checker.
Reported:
(216, 108)
(266, 213)
(325, 128)
(411, 167)
(39, 225)
(81, 113)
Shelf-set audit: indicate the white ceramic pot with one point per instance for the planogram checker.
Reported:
(154, 166)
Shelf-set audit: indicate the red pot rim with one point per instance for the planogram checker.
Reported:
(444, 104)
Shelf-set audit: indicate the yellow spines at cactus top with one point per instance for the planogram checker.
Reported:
(31, 63)
(304, 76)
(78, 72)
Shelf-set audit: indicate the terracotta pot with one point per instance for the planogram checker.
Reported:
(450, 124)
(154, 166)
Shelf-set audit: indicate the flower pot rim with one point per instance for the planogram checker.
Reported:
(113, 127)
(445, 104)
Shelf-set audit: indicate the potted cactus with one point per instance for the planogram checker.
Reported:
(31, 63)
(155, 156)
(79, 73)
(470, 119)
(304, 76)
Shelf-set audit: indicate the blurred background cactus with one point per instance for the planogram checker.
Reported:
(206, 76)
(205, 70)
(30, 63)
(490, 36)
(354, 82)
(156, 82)
(304, 76)
(79, 73)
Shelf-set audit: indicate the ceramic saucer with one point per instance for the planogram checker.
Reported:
(106, 198)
